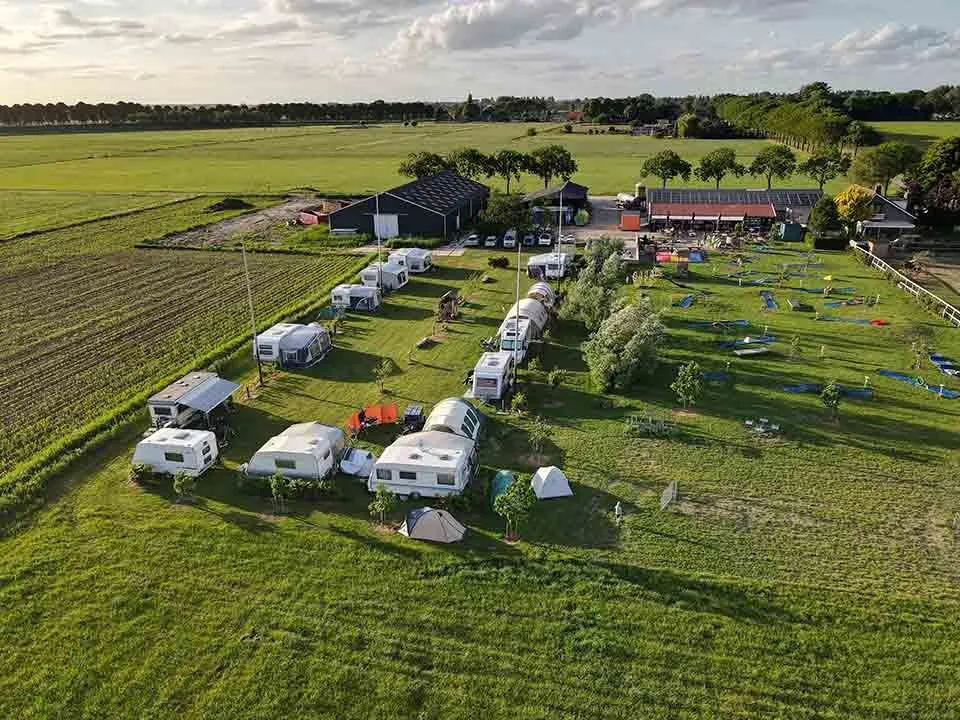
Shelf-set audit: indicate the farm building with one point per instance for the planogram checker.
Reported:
(194, 395)
(889, 221)
(293, 346)
(572, 195)
(711, 209)
(437, 206)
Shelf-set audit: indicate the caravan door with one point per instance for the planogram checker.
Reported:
(386, 226)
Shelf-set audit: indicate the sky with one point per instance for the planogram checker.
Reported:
(234, 51)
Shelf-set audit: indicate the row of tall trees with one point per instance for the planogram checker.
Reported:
(805, 125)
(547, 162)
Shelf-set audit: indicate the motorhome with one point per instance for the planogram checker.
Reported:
(415, 260)
(425, 464)
(493, 376)
(456, 416)
(293, 346)
(309, 451)
(356, 297)
(172, 450)
(189, 399)
(515, 337)
(388, 276)
(549, 266)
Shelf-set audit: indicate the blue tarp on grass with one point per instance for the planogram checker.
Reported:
(919, 382)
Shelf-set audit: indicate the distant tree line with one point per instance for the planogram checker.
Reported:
(547, 162)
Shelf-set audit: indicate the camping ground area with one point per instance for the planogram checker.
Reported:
(810, 575)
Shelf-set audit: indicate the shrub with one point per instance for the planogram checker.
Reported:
(556, 377)
(534, 365)
(141, 475)
(568, 128)
(184, 485)
(518, 404)
(384, 503)
(531, 132)
(499, 262)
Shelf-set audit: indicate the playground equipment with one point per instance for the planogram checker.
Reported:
(919, 382)
(768, 300)
(945, 365)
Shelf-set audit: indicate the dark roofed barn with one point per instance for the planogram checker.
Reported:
(573, 195)
(441, 205)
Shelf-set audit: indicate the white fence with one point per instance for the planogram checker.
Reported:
(938, 305)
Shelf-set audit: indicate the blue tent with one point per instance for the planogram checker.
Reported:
(501, 482)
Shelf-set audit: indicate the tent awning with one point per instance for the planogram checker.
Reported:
(209, 395)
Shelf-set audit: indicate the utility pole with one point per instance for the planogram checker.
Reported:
(376, 231)
(253, 317)
(516, 330)
(560, 247)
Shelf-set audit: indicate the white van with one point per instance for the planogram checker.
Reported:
(510, 239)
(171, 451)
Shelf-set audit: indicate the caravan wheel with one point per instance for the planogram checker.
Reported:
(414, 496)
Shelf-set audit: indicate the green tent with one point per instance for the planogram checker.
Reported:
(501, 481)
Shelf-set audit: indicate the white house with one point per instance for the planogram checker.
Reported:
(389, 276)
(493, 376)
(194, 395)
(515, 337)
(309, 450)
(425, 464)
(172, 451)
(356, 297)
(456, 416)
(294, 346)
(415, 260)
(550, 265)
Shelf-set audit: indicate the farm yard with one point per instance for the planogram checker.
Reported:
(807, 572)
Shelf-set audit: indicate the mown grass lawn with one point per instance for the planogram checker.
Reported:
(814, 576)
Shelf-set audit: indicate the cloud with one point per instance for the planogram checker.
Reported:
(28, 47)
(67, 25)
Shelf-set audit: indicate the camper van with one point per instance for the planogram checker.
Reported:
(493, 376)
(425, 464)
(550, 265)
(189, 399)
(171, 451)
(310, 451)
(293, 346)
(516, 341)
(356, 297)
(510, 239)
(415, 260)
(392, 276)
(455, 416)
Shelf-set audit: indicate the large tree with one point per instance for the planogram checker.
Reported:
(880, 165)
(688, 126)
(502, 213)
(825, 217)
(468, 162)
(507, 164)
(935, 184)
(423, 164)
(774, 161)
(855, 205)
(667, 165)
(624, 349)
(551, 161)
(825, 165)
(718, 164)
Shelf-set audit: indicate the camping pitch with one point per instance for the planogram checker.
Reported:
(433, 526)
(550, 482)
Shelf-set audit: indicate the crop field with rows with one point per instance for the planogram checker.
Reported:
(78, 337)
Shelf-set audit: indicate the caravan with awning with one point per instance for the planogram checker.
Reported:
(388, 276)
(191, 397)
(293, 346)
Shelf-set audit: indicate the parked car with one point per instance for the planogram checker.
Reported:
(545, 239)
(473, 240)
(529, 240)
(510, 239)
(490, 242)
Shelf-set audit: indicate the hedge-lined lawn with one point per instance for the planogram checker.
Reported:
(919, 133)
(343, 160)
(809, 577)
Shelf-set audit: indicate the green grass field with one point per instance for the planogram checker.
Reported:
(332, 160)
(918, 133)
(810, 577)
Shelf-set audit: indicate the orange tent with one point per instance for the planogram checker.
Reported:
(374, 415)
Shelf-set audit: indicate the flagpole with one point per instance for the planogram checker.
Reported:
(253, 317)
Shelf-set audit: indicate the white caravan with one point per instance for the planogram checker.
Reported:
(425, 464)
(310, 451)
(515, 338)
(393, 276)
(189, 398)
(356, 297)
(550, 266)
(415, 260)
(172, 451)
(493, 376)
(543, 293)
(456, 416)
(528, 309)
(294, 346)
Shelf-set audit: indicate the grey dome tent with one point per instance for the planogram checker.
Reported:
(432, 525)
(550, 482)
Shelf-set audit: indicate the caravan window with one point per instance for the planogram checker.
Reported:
(265, 349)
(163, 411)
(445, 479)
(285, 464)
(173, 457)
(487, 383)
(385, 475)
(406, 475)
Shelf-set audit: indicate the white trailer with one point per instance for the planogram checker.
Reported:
(189, 399)
(515, 338)
(294, 346)
(392, 276)
(171, 451)
(550, 265)
(493, 376)
(415, 260)
(425, 464)
(356, 297)
(544, 293)
(309, 451)
(528, 309)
